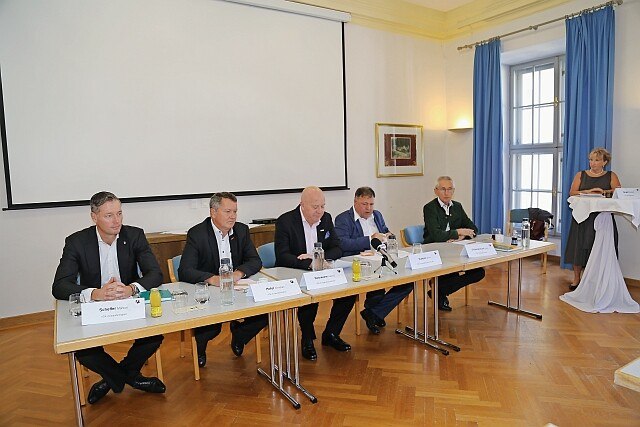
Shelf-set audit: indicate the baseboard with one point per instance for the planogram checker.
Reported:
(26, 319)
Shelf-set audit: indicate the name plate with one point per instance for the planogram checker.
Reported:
(324, 278)
(265, 291)
(478, 250)
(424, 260)
(626, 193)
(97, 312)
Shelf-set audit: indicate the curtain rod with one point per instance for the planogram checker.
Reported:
(535, 27)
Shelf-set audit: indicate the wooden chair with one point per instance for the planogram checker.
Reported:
(515, 216)
(174, 264)
(415, 234)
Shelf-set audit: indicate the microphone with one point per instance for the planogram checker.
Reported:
(380, 247)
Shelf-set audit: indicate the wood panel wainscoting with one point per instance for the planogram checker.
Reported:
(165, 246)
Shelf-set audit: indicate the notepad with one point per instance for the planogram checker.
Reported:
(165, 295)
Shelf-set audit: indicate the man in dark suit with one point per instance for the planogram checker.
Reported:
(356, 227)
(220, 236)
(101, 263)
(446, 221)
(296, 233)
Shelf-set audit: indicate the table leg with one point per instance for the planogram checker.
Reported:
(412, 332)
(74, 385)
(508, 306)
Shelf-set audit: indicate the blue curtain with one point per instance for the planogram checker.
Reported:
(488, 208)
(589, 97)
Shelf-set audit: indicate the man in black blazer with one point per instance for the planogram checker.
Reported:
(446, 221)
(296, 233)
(220, 236)
(101, 263)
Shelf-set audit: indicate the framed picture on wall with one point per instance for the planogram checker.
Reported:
(399, 150)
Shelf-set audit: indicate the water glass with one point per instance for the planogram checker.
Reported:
(179, 302)
(416, 248)
(365, 270)
(74, 304)
(496, 234)
(202, 292)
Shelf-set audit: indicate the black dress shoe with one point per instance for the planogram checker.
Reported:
(98, 391)
(370, 320)
(573, 287)
(335, 341)
(148, 384)
(237, 346)
(308, 350)
(202, 360)
(443, 304)
(380, 322)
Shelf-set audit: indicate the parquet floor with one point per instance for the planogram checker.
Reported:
(512, 370)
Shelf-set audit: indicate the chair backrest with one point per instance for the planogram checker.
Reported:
(412, 234)
(267, 254)
(174, 265)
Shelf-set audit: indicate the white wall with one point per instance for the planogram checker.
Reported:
(390, 78)
(545, 42)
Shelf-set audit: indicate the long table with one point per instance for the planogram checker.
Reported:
(70, 336)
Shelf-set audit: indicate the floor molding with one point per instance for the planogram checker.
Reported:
(26, 320)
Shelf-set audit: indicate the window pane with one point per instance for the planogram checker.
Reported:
(544, 202)
(522, 200)
(544, 175)
(545, 124)
(525, 171)
(525, 121)
(545, 85)
(524, 94)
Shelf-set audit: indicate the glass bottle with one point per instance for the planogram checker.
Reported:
(317, 263)
(156, 303)
(355, 266)
(226, 281)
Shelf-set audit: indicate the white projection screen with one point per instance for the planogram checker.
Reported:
(167, 99)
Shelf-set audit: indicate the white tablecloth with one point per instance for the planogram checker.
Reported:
(602, 288)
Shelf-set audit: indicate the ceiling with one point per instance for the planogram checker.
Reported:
(440, 5)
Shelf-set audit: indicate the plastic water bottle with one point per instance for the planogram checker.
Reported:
(526, 233)
(317, 263)
(392, 246)
(226, 282)
(156, 303)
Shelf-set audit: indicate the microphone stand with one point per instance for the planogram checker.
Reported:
(382, 266)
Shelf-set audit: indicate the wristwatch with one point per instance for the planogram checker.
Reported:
(134, 289)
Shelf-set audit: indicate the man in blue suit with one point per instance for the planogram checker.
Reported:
(356, 227)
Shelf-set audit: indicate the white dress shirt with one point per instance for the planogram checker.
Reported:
(109, 266)
(224, 248)
(310, 233)
(368, 225)
(446, 211)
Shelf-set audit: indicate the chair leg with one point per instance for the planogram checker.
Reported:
(181, 343)
(357, 313)
(258, 348)
(398, 309)
(81, 369)
(466, 295)
(544, 263)
(159, 365)
(194, 351)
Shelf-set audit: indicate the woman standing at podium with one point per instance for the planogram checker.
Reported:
(595, 180)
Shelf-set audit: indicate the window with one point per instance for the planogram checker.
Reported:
(536, 136)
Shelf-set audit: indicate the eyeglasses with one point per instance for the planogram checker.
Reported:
(446, 190)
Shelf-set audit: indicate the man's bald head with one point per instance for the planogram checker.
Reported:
(312, 204)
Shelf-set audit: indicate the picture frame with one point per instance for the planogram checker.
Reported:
(399, 150)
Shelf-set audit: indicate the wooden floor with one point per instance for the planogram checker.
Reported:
(512, 370)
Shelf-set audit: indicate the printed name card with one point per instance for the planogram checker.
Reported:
(626, 193)
(324, 278)
(423, 260)
(97, 312)
(478, 250)
(265, 291)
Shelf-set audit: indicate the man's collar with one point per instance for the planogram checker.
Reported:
(305, 220)
(102, 241)
(442, 203)
(217, 231)
(357, 216)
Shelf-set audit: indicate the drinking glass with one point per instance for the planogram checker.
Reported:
(496, 234)
(202, 292)
(365, 270)
(179, 302)
(74, 304)
(416, 248)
